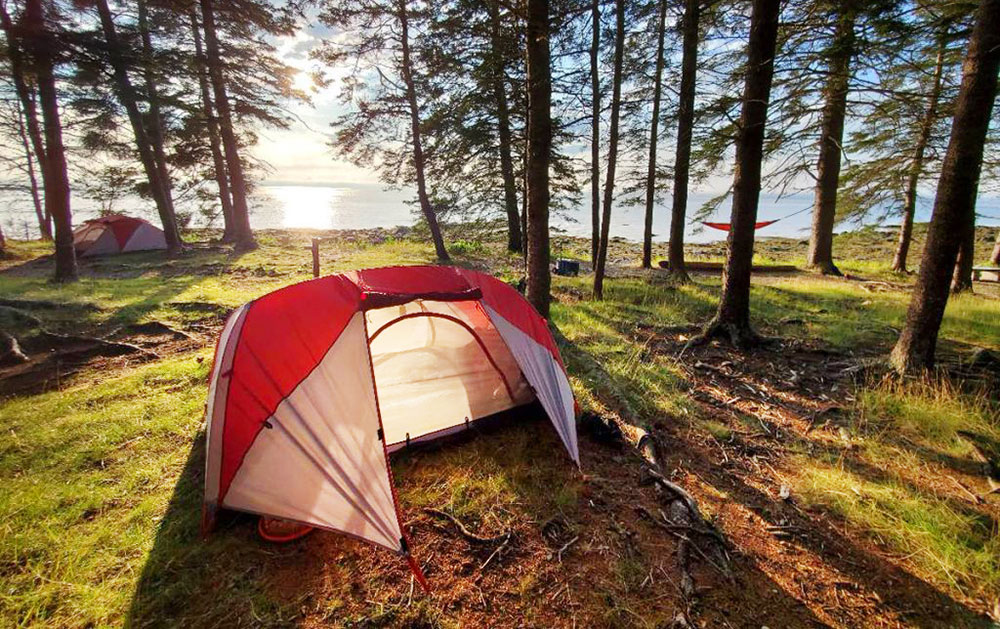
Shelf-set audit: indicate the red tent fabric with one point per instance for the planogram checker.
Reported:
(726, 226)
(314, 384)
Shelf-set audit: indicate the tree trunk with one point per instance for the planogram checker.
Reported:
(917, 165)
(127, 97)
(647, 234)
(961, 279)
(418, 149)
(995, 256)
(27, 101)
(954, 205)
(595, 131)
(733, 316)
(820, 257)
(609, 184)
(56, 177)
(499, 77)
(44, 224)
(242, 234)
(539, 149)
(208, 109)
(685, 126)
(155, 126)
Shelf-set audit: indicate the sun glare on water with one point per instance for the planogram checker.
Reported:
(309, 206)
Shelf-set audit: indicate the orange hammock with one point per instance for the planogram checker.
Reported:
(725, 226)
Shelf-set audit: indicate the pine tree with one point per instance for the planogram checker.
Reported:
(160, 187)
(41, 47)
(840, 54)
(539, 79)
(685, 130)
(595, 130)
(954, 206)
(609, 183)
(29, 114)
(647, 235)
(385, 109)
(242, 235)
(732, 318)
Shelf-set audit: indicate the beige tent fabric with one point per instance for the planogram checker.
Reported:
(546, 376)
(145, 238)
(432, 374)
(215, 409)
(319, 459)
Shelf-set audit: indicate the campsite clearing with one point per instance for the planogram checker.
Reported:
(846, 500)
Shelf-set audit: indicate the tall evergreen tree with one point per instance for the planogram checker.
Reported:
(609, 183)
(839, 54)
(42, 47)
(538, 280)
(595, 130)
(732, 318)
(685, 130)
(647, 234)
(954, 206)
(26, 96)
(384, 105)
(160, 187)
(241, 233)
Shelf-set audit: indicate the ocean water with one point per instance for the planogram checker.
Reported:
(359, 206)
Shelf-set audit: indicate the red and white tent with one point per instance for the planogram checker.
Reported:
(116, 234)
(315, 384)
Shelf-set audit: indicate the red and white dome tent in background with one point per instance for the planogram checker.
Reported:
(315, 384)
(116, 234)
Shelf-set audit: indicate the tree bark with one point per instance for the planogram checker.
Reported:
(954, 205)
(961, 279)
(539, 276)
(647, 234)
(820, 257)
(44, 224)
(242, 234)
(995, 256)
(733, 316)
(214, 143)
(27, 101)
(499, 77)
(418, 149)
(685, 126)
(127, 97)
(595, 131)
(155, 125)
(917, 165)
(609, 183)
(56, 178)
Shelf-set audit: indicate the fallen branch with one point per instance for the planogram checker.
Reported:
(466, 533)
(496, 552)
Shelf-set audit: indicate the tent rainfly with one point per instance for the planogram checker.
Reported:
(315, 384)
(116, 234)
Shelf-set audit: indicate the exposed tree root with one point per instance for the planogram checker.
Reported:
(41, 304)
(740, 335)
(826, 268)
(466, 533)
(10, 351)
(103, 347)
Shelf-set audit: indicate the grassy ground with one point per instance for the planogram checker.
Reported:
(101, 479)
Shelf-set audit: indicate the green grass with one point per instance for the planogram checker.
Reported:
(908, 434)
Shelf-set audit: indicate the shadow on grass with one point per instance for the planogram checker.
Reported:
(908, 596)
